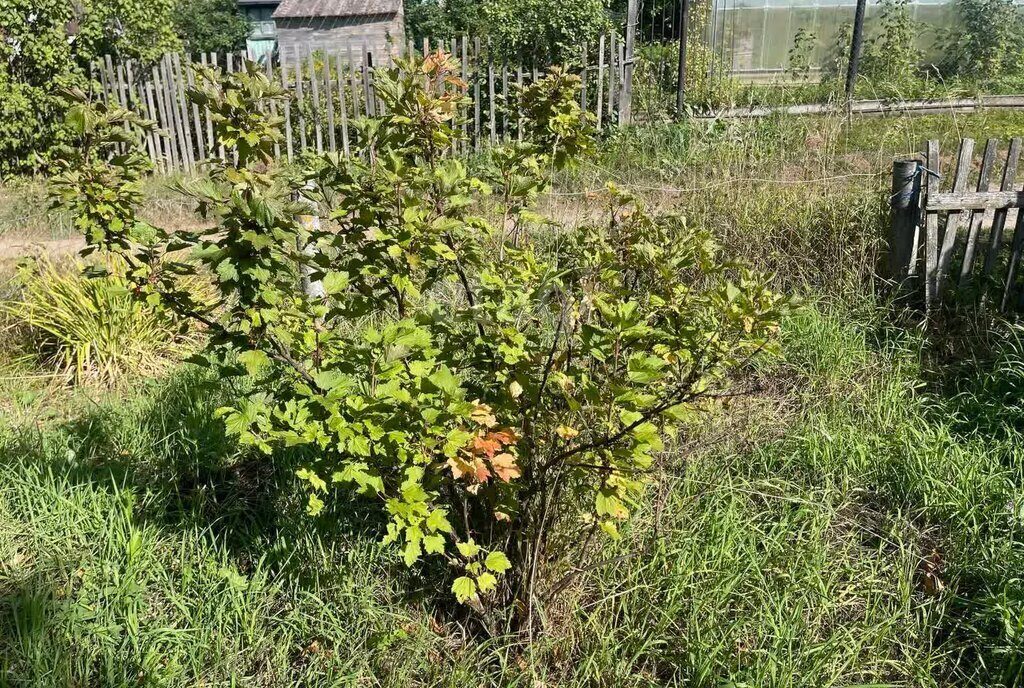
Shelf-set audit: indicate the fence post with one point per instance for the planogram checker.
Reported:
(684, 34)
(626, 95)
(903, 231)
(855, 47)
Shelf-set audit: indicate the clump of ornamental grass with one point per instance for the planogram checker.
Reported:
(91, 329)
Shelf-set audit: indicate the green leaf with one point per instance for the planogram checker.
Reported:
(315, 505)
(486, 582)
(468, 549)
(445, 380)
(497, 562)
(464, 588)
(433, 544)
(437, 521)
(254, 361)
(335, 282)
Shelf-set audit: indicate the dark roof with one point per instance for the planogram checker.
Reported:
(336, 8)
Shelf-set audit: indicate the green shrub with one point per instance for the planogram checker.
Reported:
(92, 330)
(502, 405)
(987, 42)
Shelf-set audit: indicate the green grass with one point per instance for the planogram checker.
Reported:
(786, 547)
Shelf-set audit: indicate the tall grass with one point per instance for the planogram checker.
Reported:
(91, 329)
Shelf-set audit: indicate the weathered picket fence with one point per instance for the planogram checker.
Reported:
(972, 217)
(331, 85)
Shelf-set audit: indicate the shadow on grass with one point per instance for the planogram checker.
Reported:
(165, 446)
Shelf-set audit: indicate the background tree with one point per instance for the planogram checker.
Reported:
(210, 25)
(46, 45)
(544, 31)
(435, 19)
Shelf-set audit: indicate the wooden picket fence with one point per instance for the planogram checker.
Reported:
(332, 85)
(971, 254)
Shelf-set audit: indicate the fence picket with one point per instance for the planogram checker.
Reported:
(931, 227)
(332, 141)
(600, 79)
(999, 218)
(977, 218)
(341, 103)
(314, 89)
(955, 217)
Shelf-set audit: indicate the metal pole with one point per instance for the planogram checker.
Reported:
(855, 46)
(903, 235)
(684, 34)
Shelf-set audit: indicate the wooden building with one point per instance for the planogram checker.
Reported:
(334, 26)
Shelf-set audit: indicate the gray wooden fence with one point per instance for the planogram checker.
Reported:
(951, 237)
(331, 86)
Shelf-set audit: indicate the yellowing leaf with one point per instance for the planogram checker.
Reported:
(464, 588)
(486, 582)
(505, 467)
(497, 562)
(482, 415)
(515, 389)
(566, 432)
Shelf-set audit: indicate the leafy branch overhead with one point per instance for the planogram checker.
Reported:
(498, 402)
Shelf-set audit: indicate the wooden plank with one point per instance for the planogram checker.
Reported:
(205, 61)
(180, 112)
(613, 53)
(156, 152)
(179, 85)
(504, 99)
(1014, 266)
(341, 103)
(167, 91)
(465, 92)
(159, 93)
(203, 145)
(332, 140)
(490, 95)
(273, 102)
(931, 241)
(314, 89)
(104, 84)
(977, 219)
(955, 218)
(369, 96)
(135, 88)
(600, 79)
(220, 146)
(300, 96)
(355, 87)
(476, 92)
(977, 200)
(286, 84)
(519, 109)
(583, 77)
(999, 218)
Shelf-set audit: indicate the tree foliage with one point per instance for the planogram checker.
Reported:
(987, 42)
(541, 31)
(502, 404)
(205, 26)
(46, 47)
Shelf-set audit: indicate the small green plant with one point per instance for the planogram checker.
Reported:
(798, 60)
(500, 405)
(891, 54)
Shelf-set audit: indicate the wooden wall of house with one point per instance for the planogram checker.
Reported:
(377, 34)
